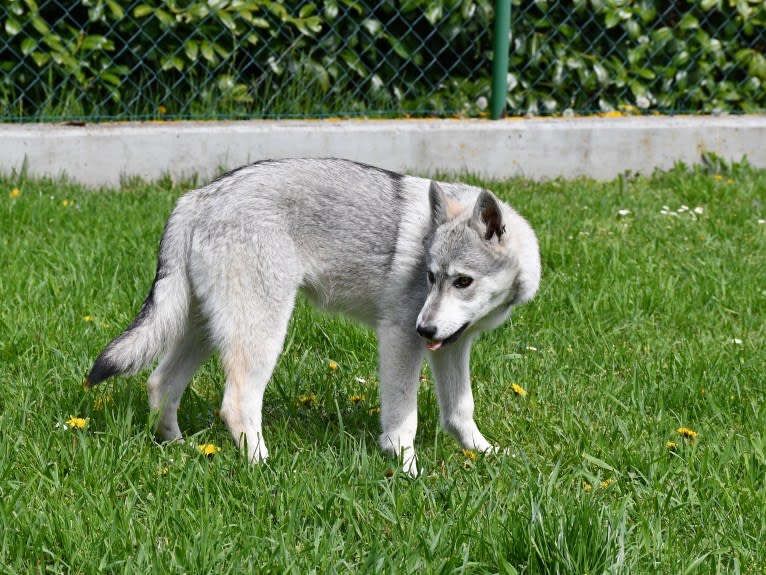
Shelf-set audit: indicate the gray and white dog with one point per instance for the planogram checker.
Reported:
(429, 265)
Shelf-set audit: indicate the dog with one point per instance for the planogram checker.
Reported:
(429, 265)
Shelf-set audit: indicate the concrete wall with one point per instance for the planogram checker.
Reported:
(601, 148)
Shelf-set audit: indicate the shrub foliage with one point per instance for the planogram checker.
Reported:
(97, 59)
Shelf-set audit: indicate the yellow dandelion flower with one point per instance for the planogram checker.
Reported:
(518, 390)
(77, 422)
(162, 109)
(356, 399)
(208, 449)
(671, 445)
(332, 365)
(307, 400)
(587, 486)
(607, 483)
(686, 432)
(14, 193)
(87, 318)
(66, 203)
(470, 454)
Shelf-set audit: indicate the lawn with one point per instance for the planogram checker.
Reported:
(651, 319)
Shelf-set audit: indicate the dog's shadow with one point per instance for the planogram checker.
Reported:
(325, 418)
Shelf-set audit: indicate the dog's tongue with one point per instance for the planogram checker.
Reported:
(433, 345)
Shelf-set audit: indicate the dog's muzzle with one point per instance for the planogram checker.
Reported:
(428, 331)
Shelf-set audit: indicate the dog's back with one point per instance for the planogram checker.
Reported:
(354, 228)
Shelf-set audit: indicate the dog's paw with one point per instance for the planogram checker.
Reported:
(405, 454)
(497, 450)
(410, 462)
(256, 450)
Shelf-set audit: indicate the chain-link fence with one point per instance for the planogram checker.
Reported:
(217, 58)
(148, 59)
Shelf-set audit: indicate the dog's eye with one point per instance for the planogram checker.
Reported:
(462, 282)
(430, 276)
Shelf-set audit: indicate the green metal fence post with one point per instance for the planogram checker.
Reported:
(500, 58)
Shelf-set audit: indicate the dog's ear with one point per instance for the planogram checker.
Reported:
(438, 202)
(487, 216)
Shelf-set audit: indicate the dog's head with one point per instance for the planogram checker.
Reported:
(481, 260)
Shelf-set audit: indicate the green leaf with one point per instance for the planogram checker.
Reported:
(12, 26)
(191, 49)
(142, 10)
(166, 19)
(94, 42)
(309, 26)
(65, 60)
(398, 47)
(40, 58)
(320, 75)
(53, 41)
(688, 22)
(662, 36)
(207, 52)
(307, 10)
(200, 10)
(110, 78)
(226, 19)
(116, 9)
(612, 19)
(28, 46)
(757, 66)
(373, 26)
(220, 50)
(434, 12)
(173, 62)
(352, 61)
(602, 75)
(40, 25)
(331, 10)
(598, 462)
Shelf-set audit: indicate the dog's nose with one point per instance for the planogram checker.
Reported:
(427, 331)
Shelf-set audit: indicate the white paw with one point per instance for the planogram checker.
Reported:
(256, 450)
(398, 447)
(410, 462)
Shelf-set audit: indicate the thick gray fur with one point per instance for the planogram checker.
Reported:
(406, 255)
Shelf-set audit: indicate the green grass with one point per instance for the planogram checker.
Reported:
(631, 337)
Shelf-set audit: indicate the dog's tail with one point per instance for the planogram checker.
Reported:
(163, 315)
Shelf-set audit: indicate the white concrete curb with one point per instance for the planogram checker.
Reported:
(601, 148)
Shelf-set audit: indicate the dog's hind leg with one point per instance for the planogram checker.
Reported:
(400, 358)
(249, 357)
(450, 366)
(247, 284)
(167, 383)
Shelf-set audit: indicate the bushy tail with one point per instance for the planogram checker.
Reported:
(162, 316)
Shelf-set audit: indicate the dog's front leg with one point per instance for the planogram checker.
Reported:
(400, 358)
(450, 366)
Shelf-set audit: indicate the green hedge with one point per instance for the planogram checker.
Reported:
(667, 55)
(98, 59)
